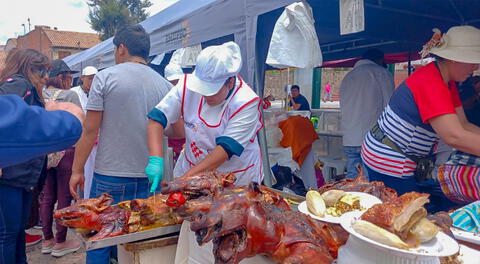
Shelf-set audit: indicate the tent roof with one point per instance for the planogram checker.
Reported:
(391, 25)
(183, 24)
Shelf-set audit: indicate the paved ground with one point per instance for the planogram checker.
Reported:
(35, 255)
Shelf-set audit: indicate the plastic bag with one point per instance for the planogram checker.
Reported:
(273, 133)
(294, 40)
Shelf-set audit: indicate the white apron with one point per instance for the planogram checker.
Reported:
(201, 134)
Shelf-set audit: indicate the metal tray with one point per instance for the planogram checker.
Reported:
(133, 237)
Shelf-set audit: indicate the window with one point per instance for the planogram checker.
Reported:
(63, 54)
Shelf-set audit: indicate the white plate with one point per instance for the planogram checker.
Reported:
(440, 246)
(366, 201)
(466, 236)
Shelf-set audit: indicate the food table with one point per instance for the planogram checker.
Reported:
(266, 207)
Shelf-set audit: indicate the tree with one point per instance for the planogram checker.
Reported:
(137, 9)
(108, 16)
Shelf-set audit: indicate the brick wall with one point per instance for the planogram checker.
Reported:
(36, 39)
(275, 82)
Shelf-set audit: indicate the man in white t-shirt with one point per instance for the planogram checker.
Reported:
(364, 93)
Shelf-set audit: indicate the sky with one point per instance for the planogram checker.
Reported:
(69, 15)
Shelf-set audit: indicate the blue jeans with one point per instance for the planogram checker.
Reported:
(121, 189)
(14, 210)
(354, 159)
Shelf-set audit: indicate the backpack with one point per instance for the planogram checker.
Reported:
(55, 158)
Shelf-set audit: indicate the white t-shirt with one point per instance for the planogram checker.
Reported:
(82, 96)
(364, 93)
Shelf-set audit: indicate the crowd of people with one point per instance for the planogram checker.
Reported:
(212, 118)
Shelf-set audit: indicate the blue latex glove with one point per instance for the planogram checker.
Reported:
(154, 171)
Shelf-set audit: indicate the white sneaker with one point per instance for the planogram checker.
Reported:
(47, 246)
(67, 247)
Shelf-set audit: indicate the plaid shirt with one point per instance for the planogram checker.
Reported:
(461, 158)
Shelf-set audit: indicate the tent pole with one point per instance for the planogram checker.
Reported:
(262, 138)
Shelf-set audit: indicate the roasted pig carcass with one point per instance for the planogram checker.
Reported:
(107, 220)
(400, 222)
(361, 184)
(245, 221)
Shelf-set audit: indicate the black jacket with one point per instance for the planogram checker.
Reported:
(24, 175)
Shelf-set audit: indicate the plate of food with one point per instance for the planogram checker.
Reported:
(401, 225)
(330, 205)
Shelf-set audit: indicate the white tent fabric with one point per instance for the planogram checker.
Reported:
(186, 23)
(294, 40)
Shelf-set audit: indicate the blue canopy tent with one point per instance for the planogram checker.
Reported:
(391, 25)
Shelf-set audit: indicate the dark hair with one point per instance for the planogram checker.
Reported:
(59, 81)
(24, 62)
(295, 87)
(136, 39)
(373, 55)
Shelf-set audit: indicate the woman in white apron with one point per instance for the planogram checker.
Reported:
(222, 118)
(221, 115)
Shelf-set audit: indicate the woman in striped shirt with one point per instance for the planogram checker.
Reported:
(423, 109)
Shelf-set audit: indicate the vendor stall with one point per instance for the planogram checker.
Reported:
(217, 21)
(225, 223)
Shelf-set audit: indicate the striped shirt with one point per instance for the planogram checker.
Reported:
(421, 97)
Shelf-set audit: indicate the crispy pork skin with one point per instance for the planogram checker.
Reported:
(394, 214)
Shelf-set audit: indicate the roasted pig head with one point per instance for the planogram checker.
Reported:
(95, 214)
(202, 184)
(243, 223)
(85, 213)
